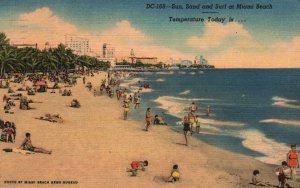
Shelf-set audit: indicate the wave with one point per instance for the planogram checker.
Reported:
(160, 80)
(148, 90)
(281, 121)
(283, 99)
(169, 72)
(283, 102)
(185, 92)
(181, 72)
(221, 123)
(192, 73)
(132, 83)
(273, 151)
(178, 107)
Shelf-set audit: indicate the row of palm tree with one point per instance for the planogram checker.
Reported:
(31, 60)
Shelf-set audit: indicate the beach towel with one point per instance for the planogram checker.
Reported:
(24, 152)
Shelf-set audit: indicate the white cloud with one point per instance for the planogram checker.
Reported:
(215, 35)
(42, 25)
(240, 50)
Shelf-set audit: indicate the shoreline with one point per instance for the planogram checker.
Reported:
(94, 146)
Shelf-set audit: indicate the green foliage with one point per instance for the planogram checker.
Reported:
(33, 60)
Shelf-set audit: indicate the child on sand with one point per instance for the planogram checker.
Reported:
(280, 172)
(174, 174)
(292, 159)
(256, 181)
(137, 165)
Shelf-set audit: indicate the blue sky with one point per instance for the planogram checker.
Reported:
(280, 24)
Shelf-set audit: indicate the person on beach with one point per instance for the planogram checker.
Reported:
(126, 109)
(256, 181)
(27, 145)
(138, 102)
(207, 111)
(83, 80)
(193, 107)
(9, 132)
(158, 120)
(280, 171)
(186, 128)
(137, 165)
(197, 124)
(175, 174)
(192, 121)
(292, 159)
(148, 118)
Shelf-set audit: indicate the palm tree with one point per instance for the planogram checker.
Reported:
(48, 61)
(7, 58)
(4, 41)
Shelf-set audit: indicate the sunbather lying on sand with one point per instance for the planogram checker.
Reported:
(52, 118)
(27, 145)
(75, 103)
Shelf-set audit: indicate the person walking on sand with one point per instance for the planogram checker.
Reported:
(27, 145)
(126, 109)
(148, 118)
(292, 159)
(186, 128)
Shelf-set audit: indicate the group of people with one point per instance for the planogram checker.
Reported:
(8, 131)
(286, 171)
(141, 165)
(67, 92)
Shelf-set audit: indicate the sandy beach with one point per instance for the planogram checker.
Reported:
(94, 146)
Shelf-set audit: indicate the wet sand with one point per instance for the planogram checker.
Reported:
(94, 146)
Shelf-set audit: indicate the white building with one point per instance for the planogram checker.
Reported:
(111, 60)
(145, 60)
(79, 45)
(108, 51)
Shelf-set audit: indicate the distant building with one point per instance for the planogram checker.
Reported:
(145, 60)
(25, 45)
(203, 61)
(108, 51)
(111, 60)
(79, 45)
(186, 63)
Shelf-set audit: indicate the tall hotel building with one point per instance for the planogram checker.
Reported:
(79, 45)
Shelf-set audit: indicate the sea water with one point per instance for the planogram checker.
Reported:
(255, 112)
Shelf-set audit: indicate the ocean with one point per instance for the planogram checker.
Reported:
(255, 112)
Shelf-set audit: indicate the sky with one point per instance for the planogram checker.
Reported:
(257, 38)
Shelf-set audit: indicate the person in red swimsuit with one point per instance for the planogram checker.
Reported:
(9, 132)
(292, 158)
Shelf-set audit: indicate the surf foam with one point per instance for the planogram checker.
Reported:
(170, 72)
(185, 92)
(274, 152)
(281, 121)
(160, 80)
(283, 102)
